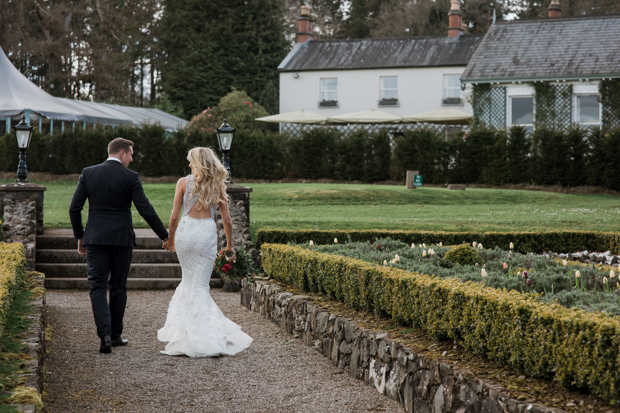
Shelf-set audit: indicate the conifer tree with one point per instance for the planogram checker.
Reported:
(214, 46)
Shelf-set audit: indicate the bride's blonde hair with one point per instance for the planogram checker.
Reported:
(209, 178)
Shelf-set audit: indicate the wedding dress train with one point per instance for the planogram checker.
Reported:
(195, 325)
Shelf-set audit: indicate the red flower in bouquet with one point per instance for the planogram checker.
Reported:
(227, 267)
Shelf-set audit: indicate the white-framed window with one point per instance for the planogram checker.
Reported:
(522, 111)
(587, 109)
(329, 89)
(451, 86)
(388, 87)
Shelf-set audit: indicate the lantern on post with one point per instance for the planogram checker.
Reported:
(225, 135)
(23, 133)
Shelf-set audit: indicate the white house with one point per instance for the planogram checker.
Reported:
(402, 76)
(567, 60)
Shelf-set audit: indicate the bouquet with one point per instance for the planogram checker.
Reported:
(233, 271)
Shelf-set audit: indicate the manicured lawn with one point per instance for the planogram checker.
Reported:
(325, 206)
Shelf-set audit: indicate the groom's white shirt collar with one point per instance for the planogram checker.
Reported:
(111, 158)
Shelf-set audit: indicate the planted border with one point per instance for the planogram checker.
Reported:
(12, 268)
(579, 350)
(524, 242)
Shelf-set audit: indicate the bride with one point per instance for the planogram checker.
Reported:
(195, 325)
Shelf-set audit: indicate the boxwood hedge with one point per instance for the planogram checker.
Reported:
(579, 350)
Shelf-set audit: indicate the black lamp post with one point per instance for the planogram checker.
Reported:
(23, 133)
(225, 135)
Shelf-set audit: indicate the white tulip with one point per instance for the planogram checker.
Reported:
(441, 244)
(480, 246)
(564, 263)
(311, 243)
(473, 244)
(384, 262)
(420, 245)
(512, 246)
(412, 246)
(396, 258)
(424, 253)
(605, 280)
(424, 245)
(483, 272)
(612, 274)
(335, 240)
(577, 274)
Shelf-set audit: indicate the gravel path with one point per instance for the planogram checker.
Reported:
(276, 374)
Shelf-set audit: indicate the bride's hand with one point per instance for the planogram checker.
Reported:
(233, 257)
(168, 246)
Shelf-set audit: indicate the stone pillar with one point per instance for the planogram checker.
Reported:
(240, 214)
(20, 224)
(410, 177)
(25, 190)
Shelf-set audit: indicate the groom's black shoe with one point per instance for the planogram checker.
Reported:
(106, 345)
(119, 342)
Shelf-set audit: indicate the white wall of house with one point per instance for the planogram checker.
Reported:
(419, 90)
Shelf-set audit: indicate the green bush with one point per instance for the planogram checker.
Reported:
(524, 242)
(577, 349)
(464, 255)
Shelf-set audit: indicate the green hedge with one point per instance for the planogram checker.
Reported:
(524, 242)
(576, 156)
(579, 350)
(12, 270)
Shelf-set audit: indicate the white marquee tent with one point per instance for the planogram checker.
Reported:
(18, 96)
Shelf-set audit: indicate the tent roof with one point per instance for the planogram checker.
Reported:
(365, 116)
(18, 94)
(444, 116)
(299, 116)
(96, 112)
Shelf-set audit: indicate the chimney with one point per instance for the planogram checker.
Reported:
(455, 19)
(554, 9)
(305, 26)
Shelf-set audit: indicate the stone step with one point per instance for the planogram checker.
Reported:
(132, 283)
(65, 256)
(67, 242)
(78, 270)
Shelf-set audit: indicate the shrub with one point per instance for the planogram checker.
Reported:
(12, 268)
(558, 241)
(463, 254)
(579, 350)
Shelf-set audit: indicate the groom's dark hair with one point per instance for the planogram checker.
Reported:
(119, 144)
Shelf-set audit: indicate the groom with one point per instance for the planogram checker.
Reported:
(109, 239)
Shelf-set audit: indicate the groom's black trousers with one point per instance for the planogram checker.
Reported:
(112, 261)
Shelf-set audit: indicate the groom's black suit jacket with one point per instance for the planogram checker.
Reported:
(110, 189)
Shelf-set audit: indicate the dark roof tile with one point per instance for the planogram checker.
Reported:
(548, 48)
(423, 51)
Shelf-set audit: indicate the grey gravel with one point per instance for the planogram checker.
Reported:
(276, 374)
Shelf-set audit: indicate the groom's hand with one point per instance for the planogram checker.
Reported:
(81, 248)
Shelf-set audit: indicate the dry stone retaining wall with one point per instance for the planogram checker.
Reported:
(421, 385)
(20, 225)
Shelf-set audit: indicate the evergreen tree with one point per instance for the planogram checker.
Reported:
(358, 27)
(269, 98)
(214, 46)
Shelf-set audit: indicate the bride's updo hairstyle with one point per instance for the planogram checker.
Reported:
(210, 178)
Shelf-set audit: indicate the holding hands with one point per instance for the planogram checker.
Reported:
(168, 245)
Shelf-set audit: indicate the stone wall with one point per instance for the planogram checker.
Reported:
(20, 225)
(240, 214)
(421, 385)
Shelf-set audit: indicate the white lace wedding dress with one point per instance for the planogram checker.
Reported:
(195, 325)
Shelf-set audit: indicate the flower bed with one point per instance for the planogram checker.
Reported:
(595, 288)
(12, 269)
(558, 241)
(580, 350)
